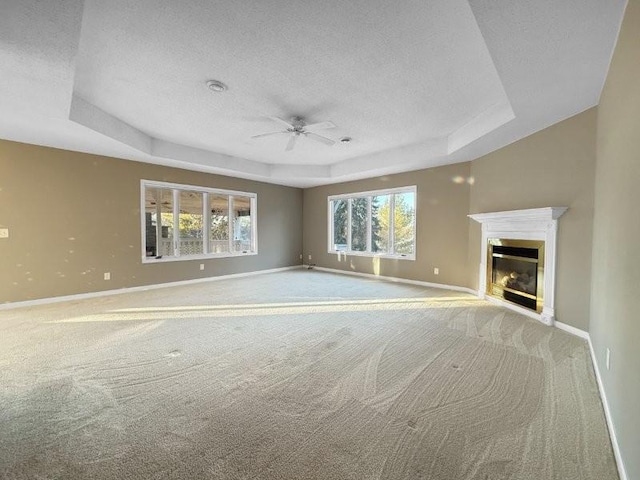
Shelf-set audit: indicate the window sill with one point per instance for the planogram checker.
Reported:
(186, 258)
(388, 256)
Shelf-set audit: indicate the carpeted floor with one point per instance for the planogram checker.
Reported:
(295, 375)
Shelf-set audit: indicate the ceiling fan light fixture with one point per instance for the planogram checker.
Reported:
(216, 86)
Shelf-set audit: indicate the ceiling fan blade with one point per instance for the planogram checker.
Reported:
(320, 126)
(291, 143)
(320, 138)
(281, 122)
(267, 134)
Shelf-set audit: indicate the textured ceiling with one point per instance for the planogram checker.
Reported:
(414, 83)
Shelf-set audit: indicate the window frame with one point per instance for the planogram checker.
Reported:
(369, 196)
(176, 188)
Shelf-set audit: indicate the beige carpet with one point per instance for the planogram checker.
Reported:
(295, 375)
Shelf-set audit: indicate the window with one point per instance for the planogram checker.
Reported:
(359, 220)
(404, 216)
(190, 223)
(380, 223)
(219, 225)
(242, 224)
(182, 222)
(339, 211)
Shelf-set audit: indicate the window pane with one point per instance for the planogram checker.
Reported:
(158, 238)
(151, 222)
(190, 226)
(339, 209)
(241, 224)
(403, 217)
(219, 229)
(380, 210)
(359, 224)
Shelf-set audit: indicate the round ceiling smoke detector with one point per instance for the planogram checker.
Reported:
(345, 139)
(216, 86)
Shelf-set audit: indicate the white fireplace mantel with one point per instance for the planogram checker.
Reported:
(531, 224)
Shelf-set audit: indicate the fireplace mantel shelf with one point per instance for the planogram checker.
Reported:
(530, 224)
(532, 214)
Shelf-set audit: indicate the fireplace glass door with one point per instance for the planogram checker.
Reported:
(515, 271)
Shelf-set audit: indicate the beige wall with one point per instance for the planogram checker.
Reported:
(442, 226)
(73, 216)
(552, 168)
(615, 310)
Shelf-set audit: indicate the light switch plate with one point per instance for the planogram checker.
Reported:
(4, 233)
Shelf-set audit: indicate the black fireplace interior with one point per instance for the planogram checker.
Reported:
(515, 274)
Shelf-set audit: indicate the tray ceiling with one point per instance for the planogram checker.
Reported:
(415, 84)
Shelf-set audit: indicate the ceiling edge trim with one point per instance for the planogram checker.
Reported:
(207, 158)
(420, 153)
(491, 119)
(92, 117)
(312, 172)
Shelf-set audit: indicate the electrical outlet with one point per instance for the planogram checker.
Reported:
(309, 257)
(107, 275)
(608, 359)
(4, 233)
(202, 266)
(300, 256)
(436, 271)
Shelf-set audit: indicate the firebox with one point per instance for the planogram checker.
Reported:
(515, 271)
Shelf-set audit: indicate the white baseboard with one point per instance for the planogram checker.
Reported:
(573, 330)
(141, 288)
(397, 280)
(607, 414)
(603, 396)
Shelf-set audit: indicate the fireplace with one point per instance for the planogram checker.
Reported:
(518, 260)
(515, 271)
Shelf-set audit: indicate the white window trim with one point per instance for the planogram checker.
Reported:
(206, 191)
(369, 194)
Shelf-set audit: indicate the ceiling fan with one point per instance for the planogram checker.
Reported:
(298, 127)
